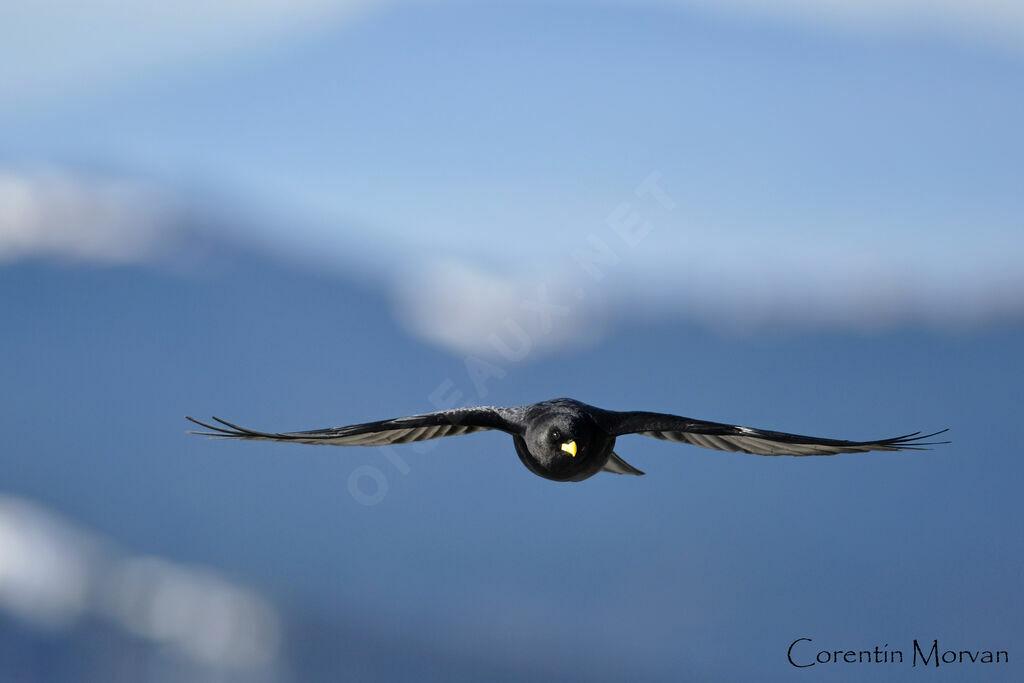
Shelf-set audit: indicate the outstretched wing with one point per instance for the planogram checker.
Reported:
(385, 432)
(725, 437)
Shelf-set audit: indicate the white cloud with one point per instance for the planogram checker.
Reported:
(53, 572)
(55, 46)
(45, 566)
(474, 312)
(998, 22)
(206, 617)
(470, 311)
(106, 220)
(51, 46)
(523, 306)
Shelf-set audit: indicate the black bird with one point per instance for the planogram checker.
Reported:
(565, 440)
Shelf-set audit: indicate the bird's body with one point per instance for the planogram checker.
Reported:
(566, 440)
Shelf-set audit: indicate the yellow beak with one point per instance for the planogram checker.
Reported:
(570, 448)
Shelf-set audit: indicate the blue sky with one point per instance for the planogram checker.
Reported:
(320, 213)
(856, 176)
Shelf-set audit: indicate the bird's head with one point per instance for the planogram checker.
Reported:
(561, 442)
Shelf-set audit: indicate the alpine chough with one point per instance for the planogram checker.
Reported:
(566, 440)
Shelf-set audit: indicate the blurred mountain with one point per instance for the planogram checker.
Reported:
(448, 560)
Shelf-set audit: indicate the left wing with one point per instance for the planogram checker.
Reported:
(725, 437)
(382, 433)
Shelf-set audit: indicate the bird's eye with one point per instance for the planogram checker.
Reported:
(555, 435)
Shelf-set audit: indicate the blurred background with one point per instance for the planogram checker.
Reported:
(799, 216)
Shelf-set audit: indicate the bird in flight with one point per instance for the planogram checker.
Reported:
(566, 440)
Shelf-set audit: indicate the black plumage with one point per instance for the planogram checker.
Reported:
(566, 440)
